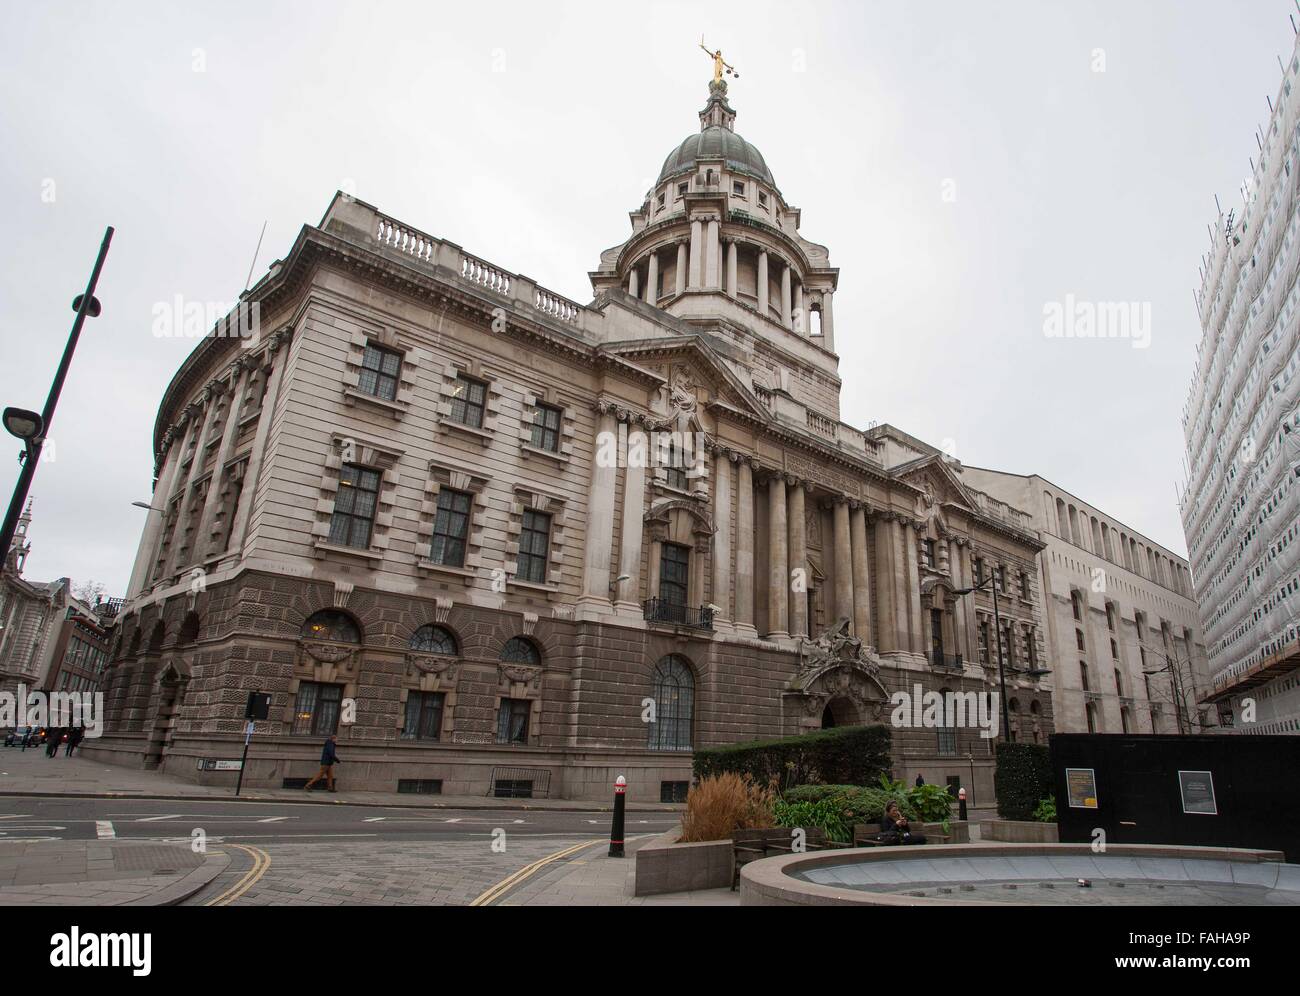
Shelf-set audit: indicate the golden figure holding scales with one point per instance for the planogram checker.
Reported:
(719, 64)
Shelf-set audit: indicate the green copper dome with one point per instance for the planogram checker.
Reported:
(716, 142)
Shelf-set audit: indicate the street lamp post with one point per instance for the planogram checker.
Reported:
(991, 581)
(34, 429)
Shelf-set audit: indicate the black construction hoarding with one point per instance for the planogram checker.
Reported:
(1219, 791)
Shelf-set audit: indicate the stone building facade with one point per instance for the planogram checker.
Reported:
(505, 542)
(1121, 618)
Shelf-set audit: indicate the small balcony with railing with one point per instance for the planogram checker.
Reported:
(662, 611)
(947, 663)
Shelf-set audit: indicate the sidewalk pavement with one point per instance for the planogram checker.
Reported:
(82, 775)
(592, 878)
(103, 872)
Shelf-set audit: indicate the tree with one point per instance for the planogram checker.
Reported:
(89, 592)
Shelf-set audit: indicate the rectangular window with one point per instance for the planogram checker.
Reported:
(1078, 638)
(674, 568)
(979, 571)
(546, 428)
(1031, 649)
(468, 401)
(354, 506)
(534, 546)
(738, 188)
(1114, 650)
(762, 199)
(927, 548)
(984, 642)
(675, 475)
(1024, 585)
(316, 710)
(1083, 676)
(423, 716)
(1001, 580)
(451, 528)
(681, 189)
(512, 721)
(379, 372)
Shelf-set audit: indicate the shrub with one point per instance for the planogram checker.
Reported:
(829, 814)
(856, 803)
(850, 755)
(718, 805)
(1046, 811)
(932, 802)
(1022, 777)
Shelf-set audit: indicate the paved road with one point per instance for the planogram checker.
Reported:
(327, 854)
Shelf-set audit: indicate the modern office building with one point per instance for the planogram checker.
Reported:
(1241, 507)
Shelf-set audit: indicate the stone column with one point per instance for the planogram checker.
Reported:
(722, 536)
(745, 548)
(800, 317)
(652, 280)
(955, 574)
(843, 545)
(712, 278)
(229, 433)
(278, 347)
(778, 581)
(680, 273)
(147, 556)
(785, 295)
(633, 284)
(732, 256)
(762, 282)
(629, 560)
(886, 610)
(798, 548)
(600, 516)
(194, 552)
(697, 252)
(828, 322)
(861, 576)
(913, 580)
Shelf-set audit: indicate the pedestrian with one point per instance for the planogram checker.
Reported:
(52, 738)
(328, 758)
(920, 779)
(27, 736)
(74, 739)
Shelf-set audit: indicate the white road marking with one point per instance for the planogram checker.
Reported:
(374, 819)
(276, 819)
(156, 819)
(19, 816)
(455, 820)
(104, 829)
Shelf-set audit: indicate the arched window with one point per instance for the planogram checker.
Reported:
(433, 640)
(156, 636)
(673, 690)
(520, 651)
(333, 625)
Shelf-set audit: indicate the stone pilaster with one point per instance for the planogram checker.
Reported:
(680, 274)
(745, 548)
(843, 545)
(798, 549)
(762, 282)
(887, 609)
(722, 538)
(861, 576)
(600, 514)
(652, 280)
(633, 528)
(911, 542)
(230, 432)
(778, 581)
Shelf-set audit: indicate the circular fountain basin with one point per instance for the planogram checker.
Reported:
(1023, 875)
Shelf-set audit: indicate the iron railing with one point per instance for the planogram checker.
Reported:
(661, 611)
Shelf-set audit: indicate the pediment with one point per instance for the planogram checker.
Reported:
(938, 484)
(689, 366)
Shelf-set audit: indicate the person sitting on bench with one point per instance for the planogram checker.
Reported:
(894, 827)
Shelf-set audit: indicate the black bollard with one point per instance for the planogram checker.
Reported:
(616, 829)
(961, 804)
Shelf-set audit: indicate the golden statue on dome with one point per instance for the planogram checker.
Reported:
(719, 63)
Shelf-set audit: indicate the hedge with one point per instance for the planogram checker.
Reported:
(848, 755)
(1023, 777)
(856, 803)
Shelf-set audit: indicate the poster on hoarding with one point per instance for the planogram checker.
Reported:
(1197, 788)
(1081, 783)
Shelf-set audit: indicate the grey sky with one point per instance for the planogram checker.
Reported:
(526, 132)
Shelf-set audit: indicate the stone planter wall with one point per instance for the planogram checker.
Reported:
(663, 865)
(1018, 832)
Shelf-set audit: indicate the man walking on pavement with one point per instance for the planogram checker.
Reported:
(328, 758)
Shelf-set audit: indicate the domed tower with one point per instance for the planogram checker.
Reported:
(716, 245)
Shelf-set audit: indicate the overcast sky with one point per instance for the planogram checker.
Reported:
(965, 163)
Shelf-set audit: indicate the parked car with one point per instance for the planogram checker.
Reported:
(14, 738)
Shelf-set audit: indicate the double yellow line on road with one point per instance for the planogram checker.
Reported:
(508, 883)
(261, 862)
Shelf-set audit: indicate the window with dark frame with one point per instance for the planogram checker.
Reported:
(674, 573)
(534, 546)
(673, 691)
(675, 475)
(316, 709)
(354, 506)
(451, 528)
(927, 547)
(380, 371)
(423, 716)
(468, 402)
(429, 639)
(546, 427)
(512, 721)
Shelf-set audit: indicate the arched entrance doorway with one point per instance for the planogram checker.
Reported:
(840, 711)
